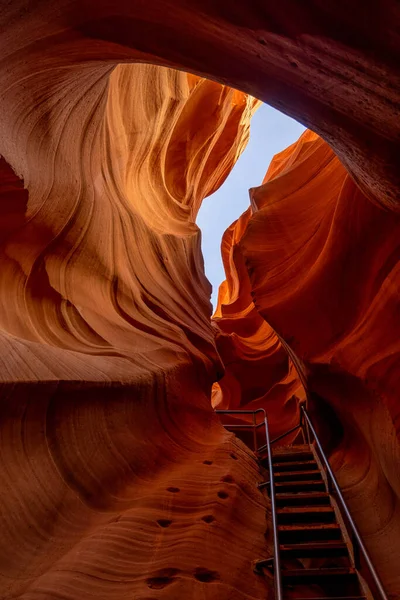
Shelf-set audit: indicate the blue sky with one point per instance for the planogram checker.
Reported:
(270, 132)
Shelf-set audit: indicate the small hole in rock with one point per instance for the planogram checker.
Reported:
(261, 41)
(208, 518)
(174, 490)
(294, 64)
(234, 456)
(205, 575)
(228, 479)
(223, 495)
(207, 462)
(164, 577)
(164, 522)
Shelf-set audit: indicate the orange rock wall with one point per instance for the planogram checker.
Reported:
(110, 486)
(115, 179)
(117, 492)
(258, 370)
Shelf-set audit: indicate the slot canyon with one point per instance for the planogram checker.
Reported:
(117, 119)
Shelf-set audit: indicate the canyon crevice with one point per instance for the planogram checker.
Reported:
(116, 121)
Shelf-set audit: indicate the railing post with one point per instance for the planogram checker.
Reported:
(304, 424)
(356, 552)
(277, 562)
(328, 481)
(307, 433)
(254, 432)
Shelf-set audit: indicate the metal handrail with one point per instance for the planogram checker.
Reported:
(254, 426)
(277, 563)
(356, 534)
(280, 437)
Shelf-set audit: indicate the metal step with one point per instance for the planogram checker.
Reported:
(293, 534)
(320, 576)
(298, 475)
(306, 514)
(299, 456)
(333, 598)
(299, 486)
(302, 499)
(314, 549)
(304, 465)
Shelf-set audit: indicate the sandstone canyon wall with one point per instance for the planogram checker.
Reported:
(258, 370)
(110, 486)
(322, 265)
(117, 479)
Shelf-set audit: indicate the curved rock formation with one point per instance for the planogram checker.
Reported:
(258, 370)
(108, 483)
(143, 168)
(117, 492)
(336, 70)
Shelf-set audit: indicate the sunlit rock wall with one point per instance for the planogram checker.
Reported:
(109, 484)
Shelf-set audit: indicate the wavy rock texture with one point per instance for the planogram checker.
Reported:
(323, 269)
(109, 485)
(143, 167)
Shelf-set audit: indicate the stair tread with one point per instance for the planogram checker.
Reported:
(305, 495)
(334, 598)
(311, 498)
(324, 572)
(295, 463)
(311, 526)
(291, 454)
(317, 545)
(289, 449)
(310, 482)
(293, 457)
(324, 550)
(304, 509)
(296, 473)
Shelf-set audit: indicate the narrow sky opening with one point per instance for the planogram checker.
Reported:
(270, 132)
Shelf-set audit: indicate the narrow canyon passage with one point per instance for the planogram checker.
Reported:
(117, 121)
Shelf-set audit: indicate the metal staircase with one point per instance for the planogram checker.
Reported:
(317, 548)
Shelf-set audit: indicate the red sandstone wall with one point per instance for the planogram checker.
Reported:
(258, 371)
(116, 492)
